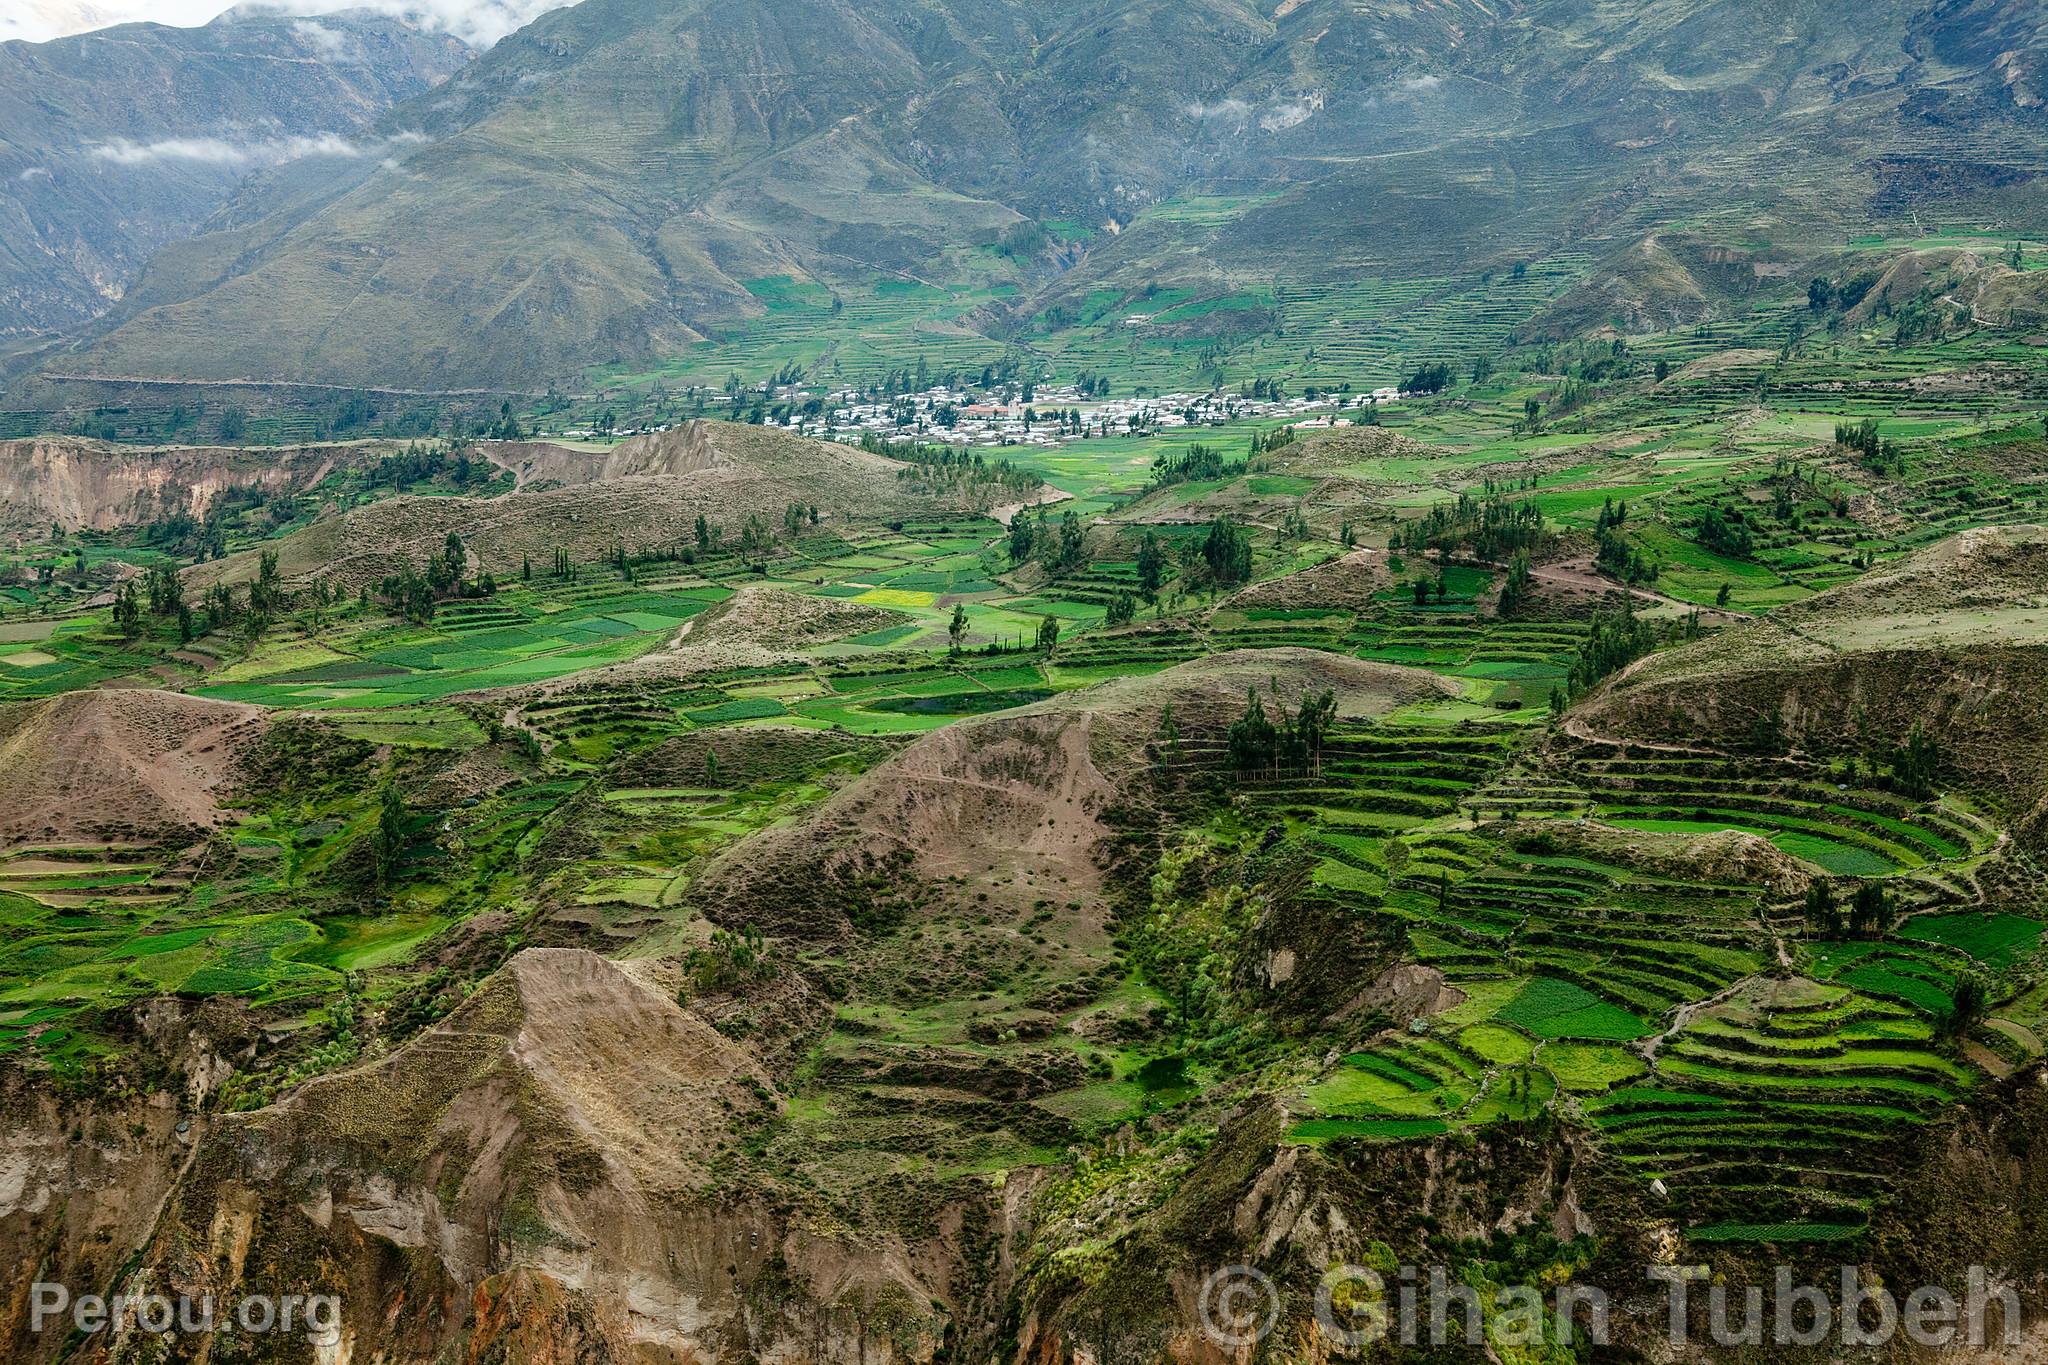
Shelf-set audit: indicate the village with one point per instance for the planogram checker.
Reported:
(1008, 413)
(1049, 417)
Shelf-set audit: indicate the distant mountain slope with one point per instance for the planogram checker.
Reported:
(116, 142)
(605, 185)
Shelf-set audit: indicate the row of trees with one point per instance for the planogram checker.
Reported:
(1617, 639)
(1869, 913)
(1193, 464)
(447, 463)
(1614, 553)
(1878, 454)
(937, 468)
(161, 595)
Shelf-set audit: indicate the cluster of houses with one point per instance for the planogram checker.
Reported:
(1051, 416)
(1054, 416)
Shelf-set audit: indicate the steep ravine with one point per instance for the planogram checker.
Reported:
(552, 1174)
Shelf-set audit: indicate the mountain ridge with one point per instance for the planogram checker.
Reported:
(116, 142)
(628, 169)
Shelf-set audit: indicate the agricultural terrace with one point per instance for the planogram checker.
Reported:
(1738, 974)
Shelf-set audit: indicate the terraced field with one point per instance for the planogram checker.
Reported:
(1657, 1009)
(1584, 937)
(1798, 808)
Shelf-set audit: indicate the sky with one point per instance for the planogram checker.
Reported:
(481, 22)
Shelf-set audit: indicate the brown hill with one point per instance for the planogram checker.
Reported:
(123, 764)
(757, 627)
(1953, 640)
(728, 449)
(1973, 289)
(642, 494)
(1346, 583)
(1339, 460)
(538, 1168)
(1014, 805)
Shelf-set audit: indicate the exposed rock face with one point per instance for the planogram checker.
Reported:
(88, 486)
(537, 1179)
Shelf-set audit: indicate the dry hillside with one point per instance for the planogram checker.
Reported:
(125, 764)
(545, 1157)
(1014, 804)
(643, 494)
(1987, 293)
(1953, 639)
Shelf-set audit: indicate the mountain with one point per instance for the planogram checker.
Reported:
(116, 142)
(137, 764)
(616, 181)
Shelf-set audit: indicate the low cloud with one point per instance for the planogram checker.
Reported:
(1291, 114)
(325, 42)
(33, 173)
(477, 22)
(1401, 92)
(221, 151)
(1276, 117)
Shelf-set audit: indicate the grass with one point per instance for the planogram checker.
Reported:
(1550, 1008)
(1996, 940)
(1425, 829)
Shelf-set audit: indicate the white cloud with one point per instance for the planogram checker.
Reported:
(1420, 85)
(327, 42)
(1236, 111)
(481, 22)
(220, 151)
(38, 21)
(1290, 114)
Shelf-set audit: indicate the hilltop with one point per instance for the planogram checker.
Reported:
(1018, 806)
(132, 765)
(645, 494)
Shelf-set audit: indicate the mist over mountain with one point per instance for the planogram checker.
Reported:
(478, 22)
(1018, 682)
(600, 185)
(116, 142)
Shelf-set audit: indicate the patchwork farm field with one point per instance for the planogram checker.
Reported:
(1742, 973)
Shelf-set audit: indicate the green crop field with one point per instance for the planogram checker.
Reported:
(1741, 941)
